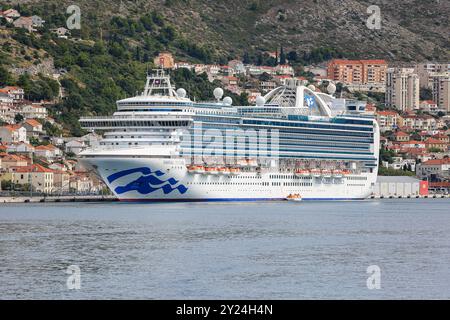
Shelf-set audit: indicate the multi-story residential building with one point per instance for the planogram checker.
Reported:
(61, 181)
(75, 146)
(402, 89)
(434, 169)
(284, 69)
(388, 120)
(21, 147)
(12, 160)
(423, 122)
(34, 111)
(11, 13)
(49, 152)
(199, 68)
(357, 71)
(33, 127)
(441, 90)
(7, 110)
(16, 93)
(13, 133)
(267, 86)
(185, 65)
(38, 22)
(164, 60)
(432, 143)
(399, 164)
(24, 23)
(237, 66)
(401, 136)
(81, 183)
(39, 177)
(429, 106)
(426, 70)
(441, 137)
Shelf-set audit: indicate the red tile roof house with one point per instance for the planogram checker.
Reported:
(34, 128)
(401, 136)
(24, 23)
(13, 133)
(49, 152)
(441, 137)
(435, 169)
(16, 93)
(40, 177)
(436, 144)
(11, 13)
(428, 105)
(20, 147)
(12, 160)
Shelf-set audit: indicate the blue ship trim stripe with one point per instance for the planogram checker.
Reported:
(115, 176)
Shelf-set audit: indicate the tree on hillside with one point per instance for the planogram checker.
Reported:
(18, 118)
(282, 56)
(5, 77)
(426, 94)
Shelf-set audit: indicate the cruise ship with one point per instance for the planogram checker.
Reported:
(163, 146)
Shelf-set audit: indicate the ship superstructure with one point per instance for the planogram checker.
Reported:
(161, 145)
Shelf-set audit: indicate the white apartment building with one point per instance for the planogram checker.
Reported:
(402, 89)
(426, 70)
(441, 90)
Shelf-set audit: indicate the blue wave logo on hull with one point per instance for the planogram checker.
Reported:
(147, 183)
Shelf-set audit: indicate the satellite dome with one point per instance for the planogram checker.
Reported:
(218, 93)
(311, 87)
(331, 88)
(260, 101)
(181, 93)
(228, 101)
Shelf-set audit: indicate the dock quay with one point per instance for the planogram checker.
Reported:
(67, 198)
(429, 196)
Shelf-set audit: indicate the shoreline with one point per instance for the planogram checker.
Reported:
(53, 199)
(41, 199)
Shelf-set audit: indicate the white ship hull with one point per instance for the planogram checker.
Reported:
(294, 141)
(145, 179)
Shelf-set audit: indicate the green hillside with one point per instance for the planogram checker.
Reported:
(120, 38)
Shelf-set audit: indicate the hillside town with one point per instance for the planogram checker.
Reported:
(32, 159)
(415, 132)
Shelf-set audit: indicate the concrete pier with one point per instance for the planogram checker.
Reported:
(88, 198)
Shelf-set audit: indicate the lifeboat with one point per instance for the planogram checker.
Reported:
(223, 170)
(302, 173)
(235, 171)
(337, 173)
(346, 172)
(316, 173)
(242, 163)
(211, 170)
(326, 173)
(195, 169)
(199, 169)
(252, 163)
(191, 169)
(294, 197)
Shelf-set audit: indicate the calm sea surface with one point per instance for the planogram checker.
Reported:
(226, 250)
